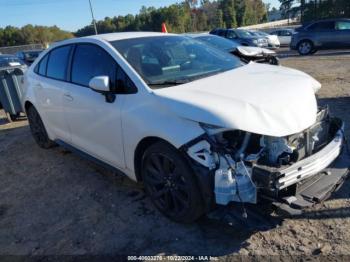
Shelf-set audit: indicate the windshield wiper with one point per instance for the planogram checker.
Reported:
(170, 82)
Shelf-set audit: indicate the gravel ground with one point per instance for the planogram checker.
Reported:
(53, 202)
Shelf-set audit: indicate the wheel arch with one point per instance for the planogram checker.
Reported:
(306, 39)
(141, 147)
(27, 104)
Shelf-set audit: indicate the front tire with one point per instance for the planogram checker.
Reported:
(170, 183)
(38, 130)
(305, 47)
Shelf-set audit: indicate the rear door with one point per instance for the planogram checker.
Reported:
(323, 34)
(95, 124)
(343, 33)
(50, 84)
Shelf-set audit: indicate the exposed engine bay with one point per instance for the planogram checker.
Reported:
(245, 166)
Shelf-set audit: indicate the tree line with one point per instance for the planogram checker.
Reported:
(29, 34)
(310, 10)
(187, 16)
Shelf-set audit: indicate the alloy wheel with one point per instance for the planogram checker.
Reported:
(165, 184)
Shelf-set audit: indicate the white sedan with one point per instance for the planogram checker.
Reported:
(284, 36)
(199, 128)
(272, 40)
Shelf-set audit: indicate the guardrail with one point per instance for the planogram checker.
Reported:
(279, 23)
(15, 49)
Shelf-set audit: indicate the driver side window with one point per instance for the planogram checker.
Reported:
(231, 35)
(90, 60)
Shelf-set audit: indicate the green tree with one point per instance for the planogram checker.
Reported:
(29, 34)
(229, 13)
(219, 21)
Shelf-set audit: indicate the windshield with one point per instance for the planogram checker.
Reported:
(164, 61)
(244, 33)
(259, 33)
(32, 54)
(218, 42)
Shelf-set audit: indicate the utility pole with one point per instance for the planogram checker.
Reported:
(93, 18)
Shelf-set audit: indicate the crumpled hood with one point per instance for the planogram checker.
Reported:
(258, 98)
(254, 51)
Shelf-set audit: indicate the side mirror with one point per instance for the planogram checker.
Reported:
(100, 84)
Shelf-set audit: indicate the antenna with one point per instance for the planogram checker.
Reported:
(93, 18)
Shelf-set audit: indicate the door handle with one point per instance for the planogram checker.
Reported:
(68, 97)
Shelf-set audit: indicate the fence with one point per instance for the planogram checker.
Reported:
(15, 49)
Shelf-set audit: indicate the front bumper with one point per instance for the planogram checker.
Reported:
(311, 165)
(312, 179)
(317, 188)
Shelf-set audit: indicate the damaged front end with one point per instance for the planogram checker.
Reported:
(256, 54)
(291, 171)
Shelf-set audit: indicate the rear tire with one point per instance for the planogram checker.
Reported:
(170, 183)
(38, 130)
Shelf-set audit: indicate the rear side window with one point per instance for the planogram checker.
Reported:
(58, 63)
(342, 25)
(42, 66)
(285, 33)
(322, 26)
(90, 61)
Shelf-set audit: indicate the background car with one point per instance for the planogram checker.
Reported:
(28, 56)
(7, 61)
(326, 34)
(284, 36)
(272, 40)
(245, 53)
(243, 37)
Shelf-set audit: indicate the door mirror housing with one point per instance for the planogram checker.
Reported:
(100, 84)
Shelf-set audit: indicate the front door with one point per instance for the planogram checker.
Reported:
(95, 124)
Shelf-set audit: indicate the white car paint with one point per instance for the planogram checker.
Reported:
(264, 99)
(273, 40)
(249, 98)
(254, 51)
(284, 36)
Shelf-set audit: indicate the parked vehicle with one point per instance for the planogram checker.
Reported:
(241, 36)
(325, 34)
(10, 61)
(28, 56)
(272, 40)
(284, 36)
(196, 126)
(245, 53)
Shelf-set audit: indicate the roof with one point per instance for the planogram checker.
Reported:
(7, 56)
(34, 50)
(194, 35)
(125, 35)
